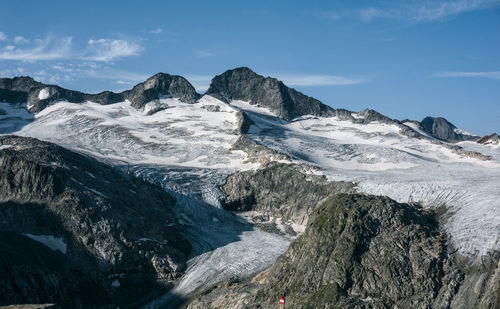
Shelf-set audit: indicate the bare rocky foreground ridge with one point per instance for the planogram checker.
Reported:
(161, 197)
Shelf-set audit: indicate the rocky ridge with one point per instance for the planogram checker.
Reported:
(492, 139)
(118, 231)
(362, 251)
(38, 95)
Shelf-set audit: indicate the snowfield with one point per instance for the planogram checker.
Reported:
(187, 149)
(384, 162)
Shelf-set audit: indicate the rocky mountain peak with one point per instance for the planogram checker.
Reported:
(244, 84)
(492, 139)
(161, 85)
(442, 129)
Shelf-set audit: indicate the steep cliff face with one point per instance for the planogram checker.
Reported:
(442, 129)
(279, 190)
(362, 251)
(121, 231)
(244, 84)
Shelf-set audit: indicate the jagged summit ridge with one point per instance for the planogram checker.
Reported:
(442, 129)
(236, 84)
(38, 95)
(287, 103)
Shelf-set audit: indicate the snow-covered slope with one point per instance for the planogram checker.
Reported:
(187, 148)
(184, 147)
(383, 161)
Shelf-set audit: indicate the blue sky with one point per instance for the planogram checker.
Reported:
(406, 59)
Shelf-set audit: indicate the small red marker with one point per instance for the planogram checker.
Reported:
(282, 302)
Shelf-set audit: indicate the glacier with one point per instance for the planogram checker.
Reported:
(187, 148)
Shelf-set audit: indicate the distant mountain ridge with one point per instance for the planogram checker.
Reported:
(236, 84)
(38, 95)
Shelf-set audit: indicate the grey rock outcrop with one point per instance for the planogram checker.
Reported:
(362, 251)
(161, 85)
(244, 84)
(492, 139)
(114, 226)
(442, 129)
(279, 190)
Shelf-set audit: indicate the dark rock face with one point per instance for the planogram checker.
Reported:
(362, 251)
(441, 129)
(492, 139)
(30, 272)
(111, 223)
(279, 190)
(244, 84)
(38, 96)
(160, 85)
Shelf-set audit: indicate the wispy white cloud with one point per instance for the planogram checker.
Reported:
(156, 31)
(203, 53)
(489, 75)
(108, 49)
(20, 39)
(3, 36)
(51, 48)
(441, 9)
(46, 49)
(369, 14)
(330, 15)
(415, 12)
(317, 80)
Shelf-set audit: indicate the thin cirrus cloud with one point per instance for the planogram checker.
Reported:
(455, 74)
(156, 31)
(3, 36)
(50, 48)
(108, 49)
(414, 12)
(46, 49)
(447, 8)
(203, 53)
(306, 80)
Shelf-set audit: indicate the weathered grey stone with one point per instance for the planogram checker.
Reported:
(111, 223)
(442, 129)
(279, 190)
(362, 251)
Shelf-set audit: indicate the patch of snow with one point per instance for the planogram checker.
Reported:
(44, 94)
(153, 240)
(5, 146)
(96, 192)
(90, 174)
(54, 243)
(81, 184)
(463, 132)
(415, 127)
(357, 116)
(115, 283)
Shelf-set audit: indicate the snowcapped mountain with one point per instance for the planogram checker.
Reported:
(164, 132)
